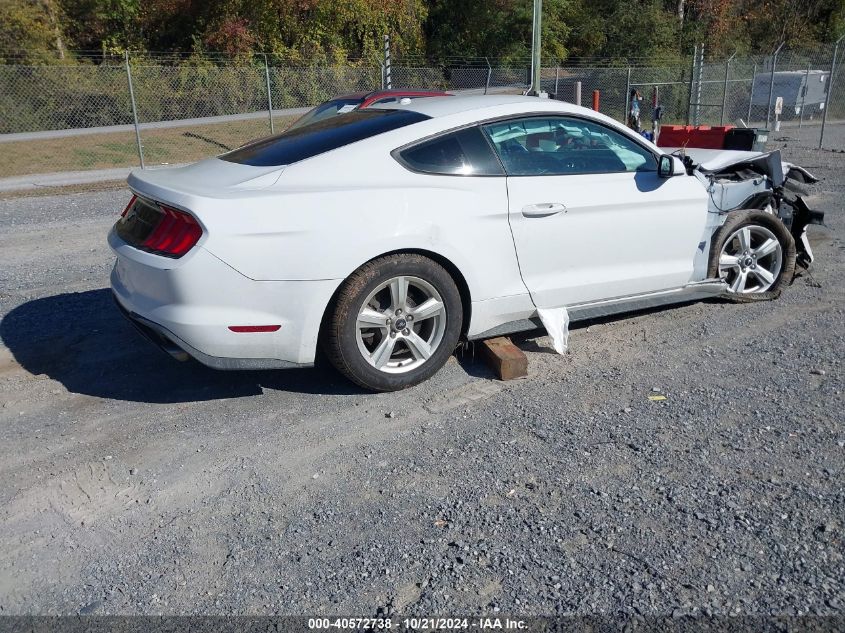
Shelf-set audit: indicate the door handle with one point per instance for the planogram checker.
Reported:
(543, 209)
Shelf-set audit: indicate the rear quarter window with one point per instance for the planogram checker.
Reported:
(322, 136)
(462, 153)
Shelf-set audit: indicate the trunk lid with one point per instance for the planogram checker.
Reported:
(210, 178)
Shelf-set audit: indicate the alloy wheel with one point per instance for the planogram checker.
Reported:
(751, 260)
(401, 324)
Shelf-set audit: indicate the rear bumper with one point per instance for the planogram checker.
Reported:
(187, 310)
(168, 342)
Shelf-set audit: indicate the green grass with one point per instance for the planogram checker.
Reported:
(103, 151)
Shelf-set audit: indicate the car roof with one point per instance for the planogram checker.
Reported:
(408, 91)
(351, 95)
(436, 115)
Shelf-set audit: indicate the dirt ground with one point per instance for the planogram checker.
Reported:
(132, 484)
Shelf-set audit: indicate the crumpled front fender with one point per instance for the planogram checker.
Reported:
(803, 216)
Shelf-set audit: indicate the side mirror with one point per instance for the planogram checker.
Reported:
(666, 166)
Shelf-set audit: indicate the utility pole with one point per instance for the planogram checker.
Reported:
(535, 48)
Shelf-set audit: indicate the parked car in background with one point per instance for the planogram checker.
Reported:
(358, 100)
(388, 234)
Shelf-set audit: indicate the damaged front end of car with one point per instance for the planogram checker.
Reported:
(739, 180)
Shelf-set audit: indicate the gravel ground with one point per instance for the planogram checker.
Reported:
(131, 484)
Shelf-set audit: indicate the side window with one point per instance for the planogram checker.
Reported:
(385, 100)
(462, 153)
(539, 146)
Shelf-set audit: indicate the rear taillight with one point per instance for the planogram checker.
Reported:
(175, 235)
(128, 206)
(157, 228)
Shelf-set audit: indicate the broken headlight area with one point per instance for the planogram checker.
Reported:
(766, 183)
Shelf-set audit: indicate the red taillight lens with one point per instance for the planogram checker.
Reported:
(241, 329)
(129, 206)
(175, 234)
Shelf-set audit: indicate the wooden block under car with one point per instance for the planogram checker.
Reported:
(505, 358)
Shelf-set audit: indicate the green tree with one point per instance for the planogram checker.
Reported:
(498, 29)
(104, 25)
(29, 31)
(799, 23)
(310, 31)
(332, 31)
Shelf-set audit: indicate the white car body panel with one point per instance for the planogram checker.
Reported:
(639, 235)
(279, 241)
(199, 299)
(302, 232)
(715, 159)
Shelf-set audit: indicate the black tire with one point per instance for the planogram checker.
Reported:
(741, 219)
(340, 341)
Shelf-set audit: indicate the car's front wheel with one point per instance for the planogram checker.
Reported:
(754, 254)
(395, 322)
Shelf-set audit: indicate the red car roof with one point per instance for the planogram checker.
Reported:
(370, 97)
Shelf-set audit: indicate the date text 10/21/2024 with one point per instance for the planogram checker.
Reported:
(418, 624)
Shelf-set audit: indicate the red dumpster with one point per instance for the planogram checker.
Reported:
(701, 136)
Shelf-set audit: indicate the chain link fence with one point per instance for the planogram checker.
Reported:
(125, 112)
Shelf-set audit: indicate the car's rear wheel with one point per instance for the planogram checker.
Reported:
(395, 322)
(754, 253)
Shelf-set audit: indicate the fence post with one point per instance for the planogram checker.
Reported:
(134, 109)
(489, 75)
(751, 95)
(725, 92)
(269, 94)
(536, 41)
(691, 78)
(627, 96)
(577, 93)
(557, 78)
(699, 81)
(804, 98)
(388, 82)
(829, 89)
(772, 84)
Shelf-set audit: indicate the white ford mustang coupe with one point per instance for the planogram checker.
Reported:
(385, 236)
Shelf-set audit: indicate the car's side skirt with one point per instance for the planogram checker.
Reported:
(617, 305)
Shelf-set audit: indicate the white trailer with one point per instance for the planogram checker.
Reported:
(798, 88)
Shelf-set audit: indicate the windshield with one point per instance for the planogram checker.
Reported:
(297, 144)
(328, 109)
